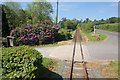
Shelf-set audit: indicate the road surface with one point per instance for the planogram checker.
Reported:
(107, 49)
(104, 50)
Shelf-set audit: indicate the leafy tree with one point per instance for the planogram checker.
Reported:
(64, 19)
(102, 20)
(86, 27)
(39, 11)
(69, 24)
(11, 16)
(22, 16)
(5, 26)
(113, 20)
(95, 20)
(85, 21)
(13, 5)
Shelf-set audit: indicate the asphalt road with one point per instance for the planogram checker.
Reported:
(105, 50)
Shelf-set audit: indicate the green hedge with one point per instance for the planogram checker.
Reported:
(64, 34)
(109, 27)
(86, 27)
(16, 58)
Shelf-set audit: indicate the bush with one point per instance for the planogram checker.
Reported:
(86, 27)
(16, 58)
(64, 34)
(31, 34)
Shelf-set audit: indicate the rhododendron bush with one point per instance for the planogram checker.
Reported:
(34, 34)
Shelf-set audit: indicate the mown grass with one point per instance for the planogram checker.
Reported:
(114, 65)
(89, 36)
(48, 62)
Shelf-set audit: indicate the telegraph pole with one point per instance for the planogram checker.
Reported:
(57, 13)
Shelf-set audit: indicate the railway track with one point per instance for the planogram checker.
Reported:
(75, 71)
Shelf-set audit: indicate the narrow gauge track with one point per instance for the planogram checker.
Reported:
(78, 38)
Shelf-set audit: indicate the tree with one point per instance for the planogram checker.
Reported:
(69, 24)
(5, 26)
(95, 20)
(12, 17)
(102, 20)
(13, 5)
(87, 19)
(113, 20)
(64, 19)
(39, 11)
(22, 16)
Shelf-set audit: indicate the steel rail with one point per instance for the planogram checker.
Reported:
(77, 36)
(72, 64)
(85, 69)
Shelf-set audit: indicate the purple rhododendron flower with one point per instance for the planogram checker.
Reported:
(31, 34)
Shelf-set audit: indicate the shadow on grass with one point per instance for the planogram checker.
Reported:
(45, 74)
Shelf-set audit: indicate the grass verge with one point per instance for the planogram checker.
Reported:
(47, 68)
(89, 36)
(52, 45)
(114, 65)
(48, 62)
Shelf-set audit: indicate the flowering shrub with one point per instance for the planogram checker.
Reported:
(33, 34)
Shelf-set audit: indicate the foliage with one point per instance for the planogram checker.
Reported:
(112, 20)
(4, 42)
(31, 34)
(68, 24)
(114, 65)
(16, 58)
(5, 27)
(39, 11)
(107, 21)
(109, 27)
(86, 21)
(64, 34)
(13, 5)
(14, 16)
(11, 17)
(46, 61)
(86, 27)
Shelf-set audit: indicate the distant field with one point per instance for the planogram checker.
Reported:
(109, 27)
